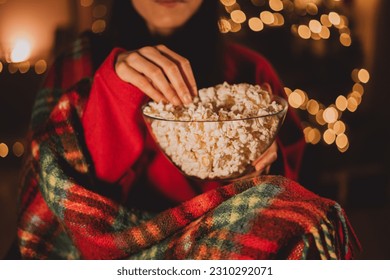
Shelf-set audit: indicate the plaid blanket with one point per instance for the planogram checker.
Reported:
(66, 213)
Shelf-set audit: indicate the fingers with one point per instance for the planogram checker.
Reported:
(185, 67)
(128, 74)
(267, 87)
(264, 162)
(171, 71)
(159, 72)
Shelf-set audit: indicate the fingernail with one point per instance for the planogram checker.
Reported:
(187, 99)
(176, 101)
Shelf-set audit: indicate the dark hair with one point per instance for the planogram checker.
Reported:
(199, 40)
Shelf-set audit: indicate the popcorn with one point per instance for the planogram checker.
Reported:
(219, 134)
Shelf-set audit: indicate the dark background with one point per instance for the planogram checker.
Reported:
(358, 179)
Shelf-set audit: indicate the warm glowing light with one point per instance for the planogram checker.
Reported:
(341, 141)
(312, 107)
(24, 67)
(320, 117)
(86, 3)
(235, 26)
(224, 25)
(330, 115)
(341, 103)
(267, 17)
(18, 149)
(343, 23)
(315, 26)
(278, 19)
(256, 24)
(232, 8)
(325, 21)
(40, 67)
(1, 67)
(98, 26)
(295, 99)
(12, 68)
(228, 2)
(355, 76)
(276, 5)
(359, 88)
(21, 50)
(339, 127)
(329, 136)
(238, 16)
(363, 76)
(352, 104)
(304, 31)
(287, 90)
(312, 9)
(334, 18)
(325, 32)
(303, 97)
(99, 11)
(3, 150)
(315, 36)
(357, 97)
(313, 136)
(345, 39)
(343, 150)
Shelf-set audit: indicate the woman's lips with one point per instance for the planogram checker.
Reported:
(169, 3)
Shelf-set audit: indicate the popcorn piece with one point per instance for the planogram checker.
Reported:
(209, 138)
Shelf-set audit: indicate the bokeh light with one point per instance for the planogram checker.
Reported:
(3, 150)
(363, 76)
(40, 67)
(276, 5)
(255, 24)
(267, 17)
(238, 16)
(21, 50)
(329, 136)
(330, 115)
(18, 149)
(98, 26)
(86, 3)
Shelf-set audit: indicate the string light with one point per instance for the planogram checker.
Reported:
(18, 149)
(267, 17)
(99, 11)
(3, 150)
(238, 16)
(309, 22)
(224, 25)
(98, 26)
(21, 50)
(228, 2)
(40, 67)
(255, 24)
(86, 3)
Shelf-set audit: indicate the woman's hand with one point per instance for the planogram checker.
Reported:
(159, 72)
(264, 162)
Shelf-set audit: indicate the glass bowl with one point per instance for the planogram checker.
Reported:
(220, 150)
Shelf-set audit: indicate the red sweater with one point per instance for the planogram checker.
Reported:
(123, 152)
